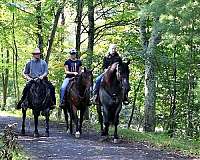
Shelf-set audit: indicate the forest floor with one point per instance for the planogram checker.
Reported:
(61, 146)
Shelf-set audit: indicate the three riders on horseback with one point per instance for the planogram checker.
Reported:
(37, 68)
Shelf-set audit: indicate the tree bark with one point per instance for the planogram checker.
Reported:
(134, 101)
(79, 23)
(190, 96)
(173, 109)
(59, 111)
(5, 76)
(52, 36)
(15, 63)
(91, 32)
(39, 25)
(150, 79)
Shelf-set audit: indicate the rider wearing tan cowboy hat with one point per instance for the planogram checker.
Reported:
(35, 68)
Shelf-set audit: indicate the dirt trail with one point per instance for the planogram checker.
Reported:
(61, 146)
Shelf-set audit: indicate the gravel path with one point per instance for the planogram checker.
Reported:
(62, 146)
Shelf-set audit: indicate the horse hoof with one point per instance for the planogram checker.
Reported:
(116, 140)
(104, 134)
(22, 132)
(77, 134)
(68, 131)
(46, 134)
(36, 135)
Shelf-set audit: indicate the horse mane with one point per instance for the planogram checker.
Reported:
(78, 86)
(39, 96)
(109, 76)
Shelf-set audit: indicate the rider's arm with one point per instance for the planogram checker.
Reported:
(26, 71)
(80, 67)
(106, 64)
(45, 67)
(68, 72)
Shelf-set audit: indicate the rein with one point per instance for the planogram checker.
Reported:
(109, 81)
(77, 84)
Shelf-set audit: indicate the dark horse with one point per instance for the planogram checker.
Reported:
(113, 91)
(77, 96)
(39, 100)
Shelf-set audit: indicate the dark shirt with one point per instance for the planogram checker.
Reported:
(110, 59)
(73, 66)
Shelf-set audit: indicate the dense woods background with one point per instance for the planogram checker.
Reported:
(160, 37)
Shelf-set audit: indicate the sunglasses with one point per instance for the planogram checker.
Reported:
(36, 53)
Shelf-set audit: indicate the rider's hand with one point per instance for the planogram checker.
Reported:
(28, 78)
(41, 77)
(75, 73)
(114, 65)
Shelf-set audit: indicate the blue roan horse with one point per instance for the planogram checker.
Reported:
(39, 100)
(113, 91)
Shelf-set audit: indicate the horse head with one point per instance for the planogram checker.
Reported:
(85, 81)
(123, 76)
(86, 77)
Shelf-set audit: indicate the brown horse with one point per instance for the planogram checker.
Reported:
(113, 91)
(76, 98)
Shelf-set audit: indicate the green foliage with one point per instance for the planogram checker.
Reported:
(160, 140)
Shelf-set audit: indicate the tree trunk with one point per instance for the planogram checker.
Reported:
(5, 76)
(59, 111)
(15, 63)
(39, 24)
(91, 33)
(90, 46)
(51, 38)
(173, 109)
(150, 80)
(190, 96)
(79, 23)
(134, 100)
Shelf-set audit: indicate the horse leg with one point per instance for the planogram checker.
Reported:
(36, 115)
(23, 121)
(116, 122)
(82, 111)
(66, 118)
(70, 119)
(105, 131)
(106, 121)
(77, 134)
(100, 117)
(47, 124)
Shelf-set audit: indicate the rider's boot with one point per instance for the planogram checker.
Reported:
(95, 98)
(18, 106)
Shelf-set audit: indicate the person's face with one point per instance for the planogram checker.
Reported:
(36, 55)
(73, 56)
(113, 50)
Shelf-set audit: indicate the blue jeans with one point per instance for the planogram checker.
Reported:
(63, 88)
(97, 83)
